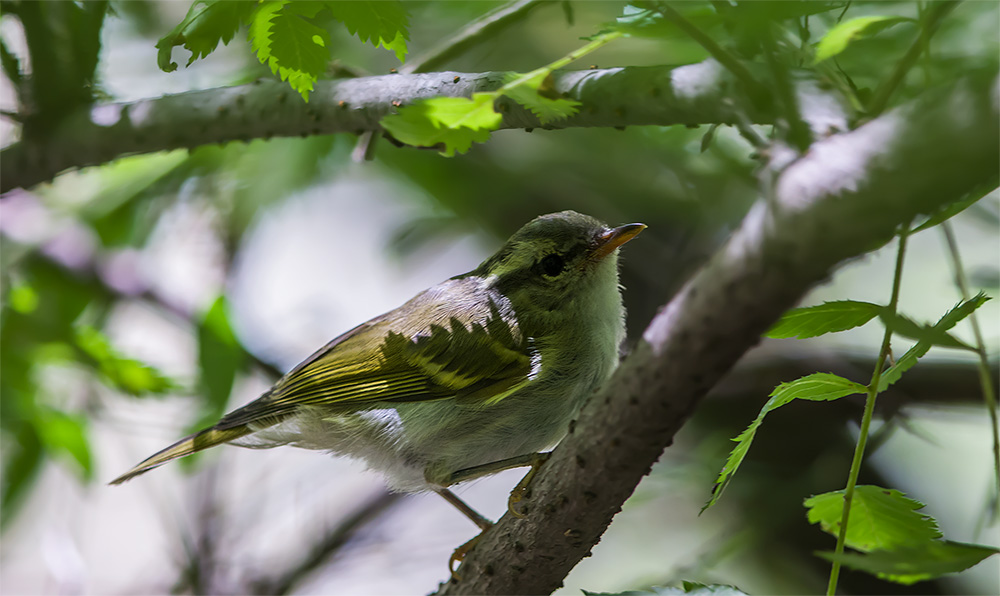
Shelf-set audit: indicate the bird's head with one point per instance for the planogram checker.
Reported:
(557, 264)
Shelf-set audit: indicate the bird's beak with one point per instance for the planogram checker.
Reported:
(608, 241)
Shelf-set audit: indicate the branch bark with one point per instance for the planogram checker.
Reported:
(843, 198)
(695, 94)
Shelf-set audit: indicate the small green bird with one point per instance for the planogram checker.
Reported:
(473, 376)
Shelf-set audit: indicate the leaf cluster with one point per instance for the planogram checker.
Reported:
(287, 35)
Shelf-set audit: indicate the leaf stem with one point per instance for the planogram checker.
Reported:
(985, 378)
(724, 58)
(933, 18)
(478, 30)
(571, 57)
(866, 419)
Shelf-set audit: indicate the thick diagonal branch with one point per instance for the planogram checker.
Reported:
(843, 198)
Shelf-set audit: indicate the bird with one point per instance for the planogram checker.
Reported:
(475, 375)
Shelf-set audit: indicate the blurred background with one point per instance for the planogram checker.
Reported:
(144, 298)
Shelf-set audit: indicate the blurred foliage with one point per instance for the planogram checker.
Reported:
(690, 185)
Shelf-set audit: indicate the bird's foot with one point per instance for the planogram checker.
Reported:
(520, 491)
(459, 555)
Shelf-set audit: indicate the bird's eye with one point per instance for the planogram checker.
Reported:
(552, 265)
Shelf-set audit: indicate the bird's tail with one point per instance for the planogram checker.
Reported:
(210, 437)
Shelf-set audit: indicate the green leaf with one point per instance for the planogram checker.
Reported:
(946, 322)
(829, 317)
(646, 23)
(383, 23)
(910, 564)
(291, 46)
(907, 327)
(452, 122)
(206, 24)
(125, 374)
(837, 39)
(537, 95)
(259, 31)
(299, 51)
(62, 433)
(456, 112)
(881, 519)
(23, 459)
(23, 298)
(220, 357)
(960, 311)
(952, 209)
(814, 387)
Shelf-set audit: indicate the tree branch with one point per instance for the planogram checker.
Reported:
(841, 199)
(329, 545)
(615, 97)
(485, 26)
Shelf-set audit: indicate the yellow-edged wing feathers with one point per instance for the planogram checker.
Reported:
(473, 353)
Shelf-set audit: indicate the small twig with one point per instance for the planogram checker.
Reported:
(859, 450)
(798, 131)
(930, 25)
(985, 370)
(328, 546)
(754, 89)
(485, 26)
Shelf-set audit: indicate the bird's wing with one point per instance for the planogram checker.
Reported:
(473, 353)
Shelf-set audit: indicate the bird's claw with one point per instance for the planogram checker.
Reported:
(459, 555)
(521, 491)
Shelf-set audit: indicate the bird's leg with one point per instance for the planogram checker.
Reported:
(484, 524)
(480, 521)
(535, 460)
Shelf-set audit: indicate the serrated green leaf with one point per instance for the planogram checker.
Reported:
(960, 311)
(452, 122)
(946, 322)
(829, 317)
(62, 433)
(454, 112)
(646, 23)
(22, 461)
(259, 31)
(838, 38)
(206, 24)
(530, 93)
(907, 327)
(952, 209)
(814, 387)
(125, 374)
(910, 564)
(23, 298)
(299, 51)
(384, 23)
(881, 519)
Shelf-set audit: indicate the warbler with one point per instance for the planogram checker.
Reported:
(477, 374)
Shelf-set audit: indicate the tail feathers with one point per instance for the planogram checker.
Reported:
(199, 441)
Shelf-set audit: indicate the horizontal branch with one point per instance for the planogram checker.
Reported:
(696, 94)
(846, 196)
